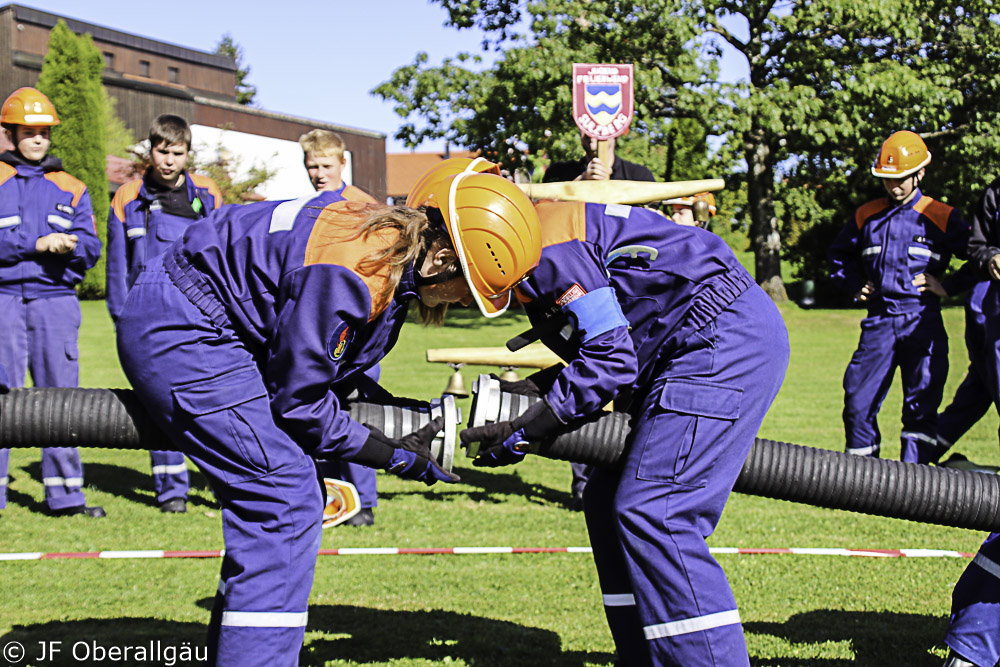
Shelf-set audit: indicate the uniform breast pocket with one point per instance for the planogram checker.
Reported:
(164, 233)
(228, 411)
(678, 438)
(922, 258)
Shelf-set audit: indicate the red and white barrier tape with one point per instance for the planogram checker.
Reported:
(393, 551)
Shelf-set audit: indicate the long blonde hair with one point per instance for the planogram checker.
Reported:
(414, 237)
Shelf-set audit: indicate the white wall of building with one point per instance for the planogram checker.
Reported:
(248, 150)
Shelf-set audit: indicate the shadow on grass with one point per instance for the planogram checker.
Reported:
(351, 634)
(877, 638)
(493, 486)
(125, 482)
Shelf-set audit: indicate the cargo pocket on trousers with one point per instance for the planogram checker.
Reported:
(72, 351)
(690, 416)
(224, 404)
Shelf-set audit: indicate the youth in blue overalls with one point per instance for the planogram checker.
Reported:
(639, 306)
(254, 328)
(974, 632)
(47, 243)
(890, 255)
(147, 216)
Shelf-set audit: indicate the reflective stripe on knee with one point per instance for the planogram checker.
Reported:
(862, 451)
(990, 566)
(688, 625)
(62, 481)
(174, 469)
(619, 600)
(265, 619)
(4, 480)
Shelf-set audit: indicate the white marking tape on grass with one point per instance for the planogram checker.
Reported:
(460, 551)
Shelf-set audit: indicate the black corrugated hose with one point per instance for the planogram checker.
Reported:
(113, 419)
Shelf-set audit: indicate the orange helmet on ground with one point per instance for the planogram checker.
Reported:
(690, 200)
(492, 223)
(28, 106)
(429, 185)
(902, 154)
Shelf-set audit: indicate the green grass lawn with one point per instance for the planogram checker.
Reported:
(539, 609)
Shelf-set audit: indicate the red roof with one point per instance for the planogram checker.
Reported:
(402, 170)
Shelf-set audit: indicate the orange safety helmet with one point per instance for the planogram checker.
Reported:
(28, 106)
(902, 154)
(492, 223)
(423, 193)
(690, 200)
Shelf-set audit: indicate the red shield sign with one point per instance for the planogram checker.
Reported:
(602, 99)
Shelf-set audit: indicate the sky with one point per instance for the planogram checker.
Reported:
(307, 58)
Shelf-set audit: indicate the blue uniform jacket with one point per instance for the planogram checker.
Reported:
(290, 278)
(619, 289)
(890, 244)
(35, 201)
(985, 241)
(139, 230)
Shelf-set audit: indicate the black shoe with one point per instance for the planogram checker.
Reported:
(95, 512)
(366, 517)
(174, 506)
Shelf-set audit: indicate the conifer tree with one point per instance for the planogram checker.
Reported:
(71, 78)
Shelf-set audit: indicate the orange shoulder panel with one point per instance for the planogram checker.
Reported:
(68, 183)
(126, 192)
(6, 172)
(207, 183)
(937, 212)
(352, 193)
(562, 221)
(868, 210)
(336, 239)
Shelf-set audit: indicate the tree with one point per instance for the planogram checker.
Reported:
(827, 81)
(245, 91)
(118, 138)
(71, 78)
(236, 184)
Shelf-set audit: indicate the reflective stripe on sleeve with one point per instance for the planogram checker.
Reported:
(689, 625)
(3, 480)
(265, 619)
(284, 214)
(919, 436)
(135, 232)
(60, 221)
(874, 250)
(10, 221)
(619, 600)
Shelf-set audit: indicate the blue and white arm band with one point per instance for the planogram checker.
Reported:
(596, 312)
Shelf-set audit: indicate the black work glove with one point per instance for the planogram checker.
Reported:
(411, 457)
(536, 385)
(504, 443)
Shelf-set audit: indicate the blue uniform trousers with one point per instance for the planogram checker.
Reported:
(917, 344)
(202, 386)
(975, 607)
(972, 398)
(667, 600)
(40, 336)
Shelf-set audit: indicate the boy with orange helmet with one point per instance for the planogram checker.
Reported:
(47, 242)
(890, 255)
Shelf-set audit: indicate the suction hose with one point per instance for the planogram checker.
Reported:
(820, 477)
(114, 419)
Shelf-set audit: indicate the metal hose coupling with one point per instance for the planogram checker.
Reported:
(780, 470)
(115, 419)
